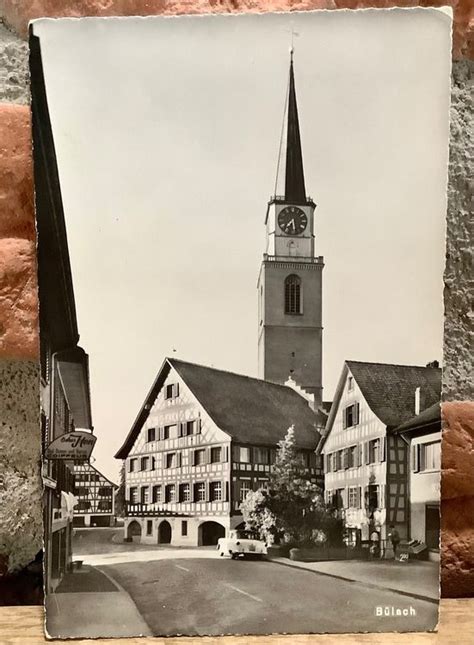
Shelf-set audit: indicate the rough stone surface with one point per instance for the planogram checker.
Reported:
(458, 292)
(16, 173)
(18, 299)
(18, 284)
(458, 451)
(18, 306)
(457, 508)
(20, 452)
(17, 13)
(14, 75)
(457, 553)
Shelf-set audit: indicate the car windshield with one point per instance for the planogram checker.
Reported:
(245, 535)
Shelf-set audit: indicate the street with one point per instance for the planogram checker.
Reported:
(194, 592)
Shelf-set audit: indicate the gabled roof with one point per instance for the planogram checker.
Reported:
(250, 410)
(389, 390)
(426, 420)
(88, 468)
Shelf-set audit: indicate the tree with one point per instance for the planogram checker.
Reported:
(120, 494)
(292, 508)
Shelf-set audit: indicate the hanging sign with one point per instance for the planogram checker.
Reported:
(75, 445)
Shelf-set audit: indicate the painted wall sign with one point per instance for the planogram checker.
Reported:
(76, 445)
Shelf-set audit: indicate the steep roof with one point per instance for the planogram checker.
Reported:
(250, 410)
(295, 190)
(390, 389)
(427, 419)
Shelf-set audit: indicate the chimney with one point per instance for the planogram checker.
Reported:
(417, 400)
(433, 364)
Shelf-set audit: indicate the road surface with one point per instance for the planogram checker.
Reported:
(211, 596)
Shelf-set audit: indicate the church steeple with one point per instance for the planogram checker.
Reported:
(290, 279)
(295, 191)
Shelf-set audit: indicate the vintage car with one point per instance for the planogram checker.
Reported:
(241, 544)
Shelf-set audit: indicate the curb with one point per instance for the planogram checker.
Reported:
(360, 582)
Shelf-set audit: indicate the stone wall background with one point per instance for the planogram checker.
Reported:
(20, 441)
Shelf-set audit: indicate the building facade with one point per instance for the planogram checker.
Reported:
(95, 496)
(290, 280)
(365, 461)
(423, 434)
(64, 384)
(202, 439)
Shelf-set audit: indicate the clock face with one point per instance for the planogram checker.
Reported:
(292, 220)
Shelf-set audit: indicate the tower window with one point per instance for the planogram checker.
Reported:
(293, 299)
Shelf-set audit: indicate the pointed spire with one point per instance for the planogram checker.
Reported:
(294, 176)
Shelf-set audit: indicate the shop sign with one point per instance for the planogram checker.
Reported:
(75, 445)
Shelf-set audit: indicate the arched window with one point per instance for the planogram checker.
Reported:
(293, 296)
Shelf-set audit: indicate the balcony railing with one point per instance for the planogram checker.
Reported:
(283, 199)
(293, 258)
(149, 510)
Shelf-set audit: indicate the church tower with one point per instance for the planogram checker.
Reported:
(290, 280)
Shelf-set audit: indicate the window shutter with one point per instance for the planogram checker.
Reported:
(359, 496)
(382, 448)
(176, 390)
(226, 453)
(207, 490)
(359, 454)
(382, 496)
(367, 452)
(180, 429)
(345, 458)
(198, 425)
(356, 414)
(178, 459)
(160, 433)
(225, 491)
(416, 458)
(344, 419)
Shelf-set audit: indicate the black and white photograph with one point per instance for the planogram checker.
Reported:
(241, 243)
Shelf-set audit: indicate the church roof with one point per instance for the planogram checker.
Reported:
(250, 410)
(295, 190)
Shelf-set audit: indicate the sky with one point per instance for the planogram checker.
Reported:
(167, 133)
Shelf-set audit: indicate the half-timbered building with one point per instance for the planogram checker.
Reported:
(365, 461)
(202, 439)
(95, 497)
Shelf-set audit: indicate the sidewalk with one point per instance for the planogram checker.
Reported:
(413, 578)
(89, 604)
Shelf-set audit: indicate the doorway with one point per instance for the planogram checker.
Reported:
(210, 532)
(164, 533)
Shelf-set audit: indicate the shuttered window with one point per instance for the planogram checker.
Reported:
(215, 490)
(200, 492)
(350, 416)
